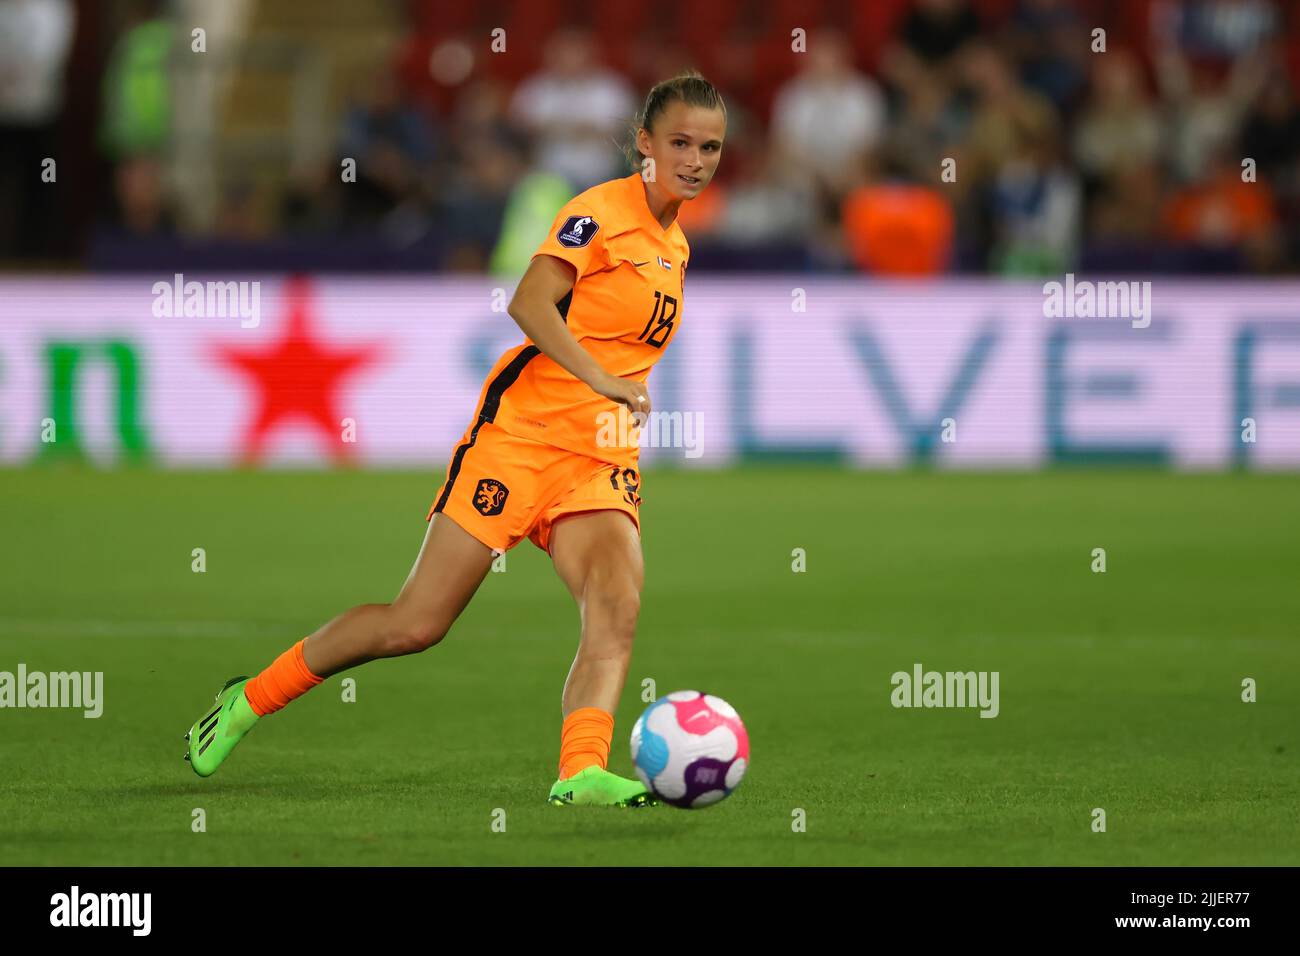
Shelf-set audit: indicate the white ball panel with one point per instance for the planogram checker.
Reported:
(735, 773)
(708, 797)
(636, 736)
(720, 706)
(720, 743)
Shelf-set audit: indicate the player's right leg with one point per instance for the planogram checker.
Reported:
(449, 569)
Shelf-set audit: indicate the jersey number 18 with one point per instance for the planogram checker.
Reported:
(660, 326)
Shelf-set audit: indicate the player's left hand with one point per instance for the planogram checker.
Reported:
(626, 391)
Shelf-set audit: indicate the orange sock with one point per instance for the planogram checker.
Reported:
(287, 677)
(584, 740)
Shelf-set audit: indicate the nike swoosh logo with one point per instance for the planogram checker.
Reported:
(640, 264)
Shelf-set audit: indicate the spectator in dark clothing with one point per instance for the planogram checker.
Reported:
(935, 30)
(393, 145)
(1272, 136)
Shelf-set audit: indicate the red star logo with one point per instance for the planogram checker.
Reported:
(297, 379)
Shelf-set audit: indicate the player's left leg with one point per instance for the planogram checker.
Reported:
(598, 556)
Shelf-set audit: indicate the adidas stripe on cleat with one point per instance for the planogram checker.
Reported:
(214, 735)
(595, 786)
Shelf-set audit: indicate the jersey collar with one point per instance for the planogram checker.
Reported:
(637, 190)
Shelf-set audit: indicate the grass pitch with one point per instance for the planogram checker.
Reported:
(1119, 691)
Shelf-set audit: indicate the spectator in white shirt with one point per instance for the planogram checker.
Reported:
(35, 39)
(576, 111)
(828, 116)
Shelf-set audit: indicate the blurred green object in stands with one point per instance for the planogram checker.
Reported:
(533, 205)
(1021, 260)
(137, 97)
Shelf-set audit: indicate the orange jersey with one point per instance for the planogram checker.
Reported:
(625, 307)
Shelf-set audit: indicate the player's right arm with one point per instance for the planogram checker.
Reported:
(547, 280)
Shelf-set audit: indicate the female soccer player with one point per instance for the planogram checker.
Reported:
(599, 302)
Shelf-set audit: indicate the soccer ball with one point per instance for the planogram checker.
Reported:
(690, 749)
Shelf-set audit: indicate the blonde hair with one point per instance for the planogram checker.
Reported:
(690, 88)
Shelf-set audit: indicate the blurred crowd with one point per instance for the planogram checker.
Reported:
(1011, 138)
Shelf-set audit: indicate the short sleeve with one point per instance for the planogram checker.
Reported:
(578, 237)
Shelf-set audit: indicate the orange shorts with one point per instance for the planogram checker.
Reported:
(502, 488)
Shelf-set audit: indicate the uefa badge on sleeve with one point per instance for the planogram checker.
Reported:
(577, 231)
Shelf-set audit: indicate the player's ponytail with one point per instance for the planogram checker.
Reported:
(690, 88)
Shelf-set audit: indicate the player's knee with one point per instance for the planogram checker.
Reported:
(411, 635)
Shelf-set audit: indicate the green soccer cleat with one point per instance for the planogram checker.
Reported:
(594, 786)
(215, 734)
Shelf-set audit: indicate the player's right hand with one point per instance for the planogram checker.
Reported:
(627, 392)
